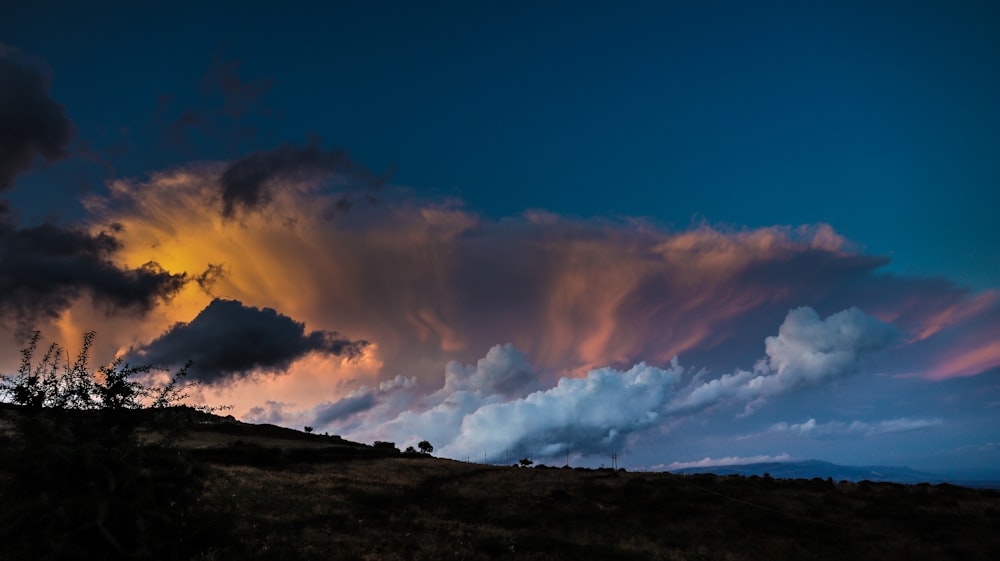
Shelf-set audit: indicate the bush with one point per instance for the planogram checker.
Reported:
(91, 472)
(383, 445)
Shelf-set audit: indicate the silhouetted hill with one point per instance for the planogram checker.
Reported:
(225, 440)
(273, 493)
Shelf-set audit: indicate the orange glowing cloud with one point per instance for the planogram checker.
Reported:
(434, 280)
(427, 282)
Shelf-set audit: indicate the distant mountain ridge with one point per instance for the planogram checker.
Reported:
(809, 469)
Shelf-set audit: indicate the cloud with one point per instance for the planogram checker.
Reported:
(34, 126)
(504, 370)
(806, 351)
(839, 429)
(44, 269)
(228, 340)
(364, 399)
(588, 415)
(247, 182)
(357, 401)
(727, 461)
(272, 412)
(431, 282)
(489, 407)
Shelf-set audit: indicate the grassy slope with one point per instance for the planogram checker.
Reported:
(283, 494)
(399, 508)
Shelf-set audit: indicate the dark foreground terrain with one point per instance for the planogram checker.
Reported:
(402, 508)
(268, 493)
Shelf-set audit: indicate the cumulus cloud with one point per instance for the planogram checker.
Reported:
(44, 269)
(840, 429)
(588, 415)
(228, 340)
(806, 351)
(489, 407)
(33, 124)
(504, 370)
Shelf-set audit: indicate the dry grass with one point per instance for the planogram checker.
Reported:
(424, 509)
(278, 494)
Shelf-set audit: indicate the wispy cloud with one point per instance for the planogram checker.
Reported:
(727, 461)
(853, 429)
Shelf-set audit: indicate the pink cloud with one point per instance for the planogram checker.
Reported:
(428, 282)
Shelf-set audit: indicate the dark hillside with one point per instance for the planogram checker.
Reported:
(272, 493)
(398, 508)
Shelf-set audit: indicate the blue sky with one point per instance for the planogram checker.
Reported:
(851, 148)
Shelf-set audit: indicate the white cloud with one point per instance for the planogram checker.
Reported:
(585, 415)
(504, 370)
(728, 461)
(806, 351)
(839, 429)
(496, 406)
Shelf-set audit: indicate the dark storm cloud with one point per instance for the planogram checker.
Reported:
(43, 269)
(228, 340)
(246, 182)
(357, 402)
(32, 125)
(214, 273)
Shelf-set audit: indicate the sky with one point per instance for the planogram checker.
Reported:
(681, 233)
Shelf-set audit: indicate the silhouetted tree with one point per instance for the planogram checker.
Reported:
(425, 447)
(525, 462)
(308, 428)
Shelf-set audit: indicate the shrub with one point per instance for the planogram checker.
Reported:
(90, 474)
(383, 445)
